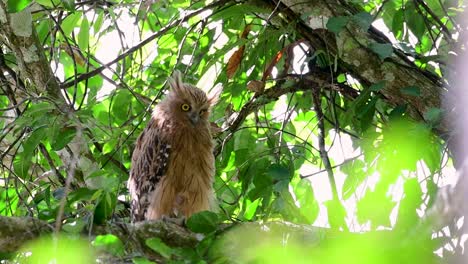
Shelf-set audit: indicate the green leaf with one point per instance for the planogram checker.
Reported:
(397, 23)
(377, 86)
(238, 11)
(109, 243)
(105, 207)
(48, 3)
(309, 207)
(69, 5)
(57, 249)
(398, 111)
(415, 22)
(203, 222)
(83, 35)
(70, 22)
(34, 139)
(279, 172)
(98, 23)
(76, 226)
(412, 199)
(159, 247)
(355, 174)
(366, 113)
(363, 19)
(121, 104)
(341, 78)
(22, 162)
(411, 90)
(250, 209)
(81, 194)
(433, 115)
(336, 24)
(243, 139)
(375, 206)
(15, 6)
(40, 109)
(383, 50)
(336, 213)
(64, 137)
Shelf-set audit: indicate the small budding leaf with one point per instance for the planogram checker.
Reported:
(363, 20)
(341, 78)
(383, 50)
(411, 90)
(377, 86)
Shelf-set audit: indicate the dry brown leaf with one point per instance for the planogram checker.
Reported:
(246, 31)
(272, 64)
(238, 55)
(234, 62)
(288, 53)
(256, 86)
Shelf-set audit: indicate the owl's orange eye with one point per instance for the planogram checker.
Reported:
(185, 107)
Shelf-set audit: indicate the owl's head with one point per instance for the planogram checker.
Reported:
(189, 104)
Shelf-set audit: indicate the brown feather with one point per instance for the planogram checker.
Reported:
(173, 164)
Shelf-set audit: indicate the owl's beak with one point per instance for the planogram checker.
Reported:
(194, 118)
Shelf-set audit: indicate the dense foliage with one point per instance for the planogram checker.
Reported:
(306, 133)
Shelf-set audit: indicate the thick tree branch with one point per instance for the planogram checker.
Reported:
(350, 46)
(18, 34)
(14, 232)
(316, 79)
(316, 98)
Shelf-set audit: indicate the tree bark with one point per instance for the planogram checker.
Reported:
(351, 48)
(18, 34)
(233, 241)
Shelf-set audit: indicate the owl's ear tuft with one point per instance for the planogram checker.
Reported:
(214, 94)
(175, 81)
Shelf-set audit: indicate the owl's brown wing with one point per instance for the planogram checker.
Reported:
(149, 164)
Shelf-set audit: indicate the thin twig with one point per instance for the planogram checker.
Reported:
(47, 156)
(321, 138)
(143, 43)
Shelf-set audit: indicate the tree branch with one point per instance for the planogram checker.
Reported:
(360, 61)
(18, 34)
(315, 79)
(316, 97)
(130, 51)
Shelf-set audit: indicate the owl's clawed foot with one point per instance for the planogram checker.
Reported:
(181, 221)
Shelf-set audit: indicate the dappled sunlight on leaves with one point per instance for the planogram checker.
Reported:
(282, 243)
(59, 249)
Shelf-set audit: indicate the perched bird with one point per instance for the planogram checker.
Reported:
(173, 166)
